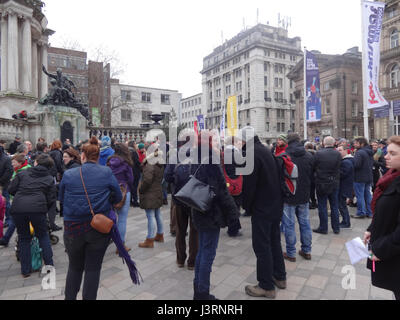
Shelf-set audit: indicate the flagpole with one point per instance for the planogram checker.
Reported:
(305, 95)
(364, 75)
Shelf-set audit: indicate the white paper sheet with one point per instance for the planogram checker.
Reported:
(357, 250)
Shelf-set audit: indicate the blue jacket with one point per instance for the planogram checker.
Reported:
(364, 165)
(105, 154)
(346, 177)
(102, 188)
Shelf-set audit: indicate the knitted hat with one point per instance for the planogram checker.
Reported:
(105, 142)
(141, 146)
(283, 137)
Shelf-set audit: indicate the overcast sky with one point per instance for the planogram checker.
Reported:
(163, 43)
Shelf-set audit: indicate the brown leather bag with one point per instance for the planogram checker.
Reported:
(100, 222)
(124, 191)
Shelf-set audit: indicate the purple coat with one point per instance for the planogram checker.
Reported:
(122, 171)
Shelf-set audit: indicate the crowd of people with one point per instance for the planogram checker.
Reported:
(99, 176)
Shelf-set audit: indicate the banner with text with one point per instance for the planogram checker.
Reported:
(372, 15)
(313, 93)
(232, 114)
(201, 122)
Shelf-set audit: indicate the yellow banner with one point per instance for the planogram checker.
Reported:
(232, 114)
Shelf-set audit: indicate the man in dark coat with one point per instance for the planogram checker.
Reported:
(263, 200)
(13, 146)
(346, 185)
(327, 168)
(363, 178)
(6, 172)
(298, 204)
(136, 173)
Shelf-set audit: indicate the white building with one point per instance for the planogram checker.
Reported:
(190, 108)
(132, 106)
(253, 66)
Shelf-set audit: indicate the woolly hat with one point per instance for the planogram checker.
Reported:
(141, 146)
(105, 142)
(283, 137)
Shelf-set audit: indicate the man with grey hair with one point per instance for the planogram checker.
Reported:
(327, 169)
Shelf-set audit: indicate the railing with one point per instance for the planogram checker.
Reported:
(130, 133)
(391, 53)
(10, 128)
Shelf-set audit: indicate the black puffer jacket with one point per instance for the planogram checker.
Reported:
(262, 195)
(364, 165)
(305, 165)
(224, 210)
(33, 190)
(57, 156)
(6, 169)
(327, 169)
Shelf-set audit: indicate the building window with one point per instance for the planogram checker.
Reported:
(267, 127)
(165, 99)
(391, 12)
(146, 115)
(146, 97)
(218, 93)
(265, 95)
(239, 86)
(355, 131)
(240, 99)
(265, 66)
(354, 109)
(228, 90)
(126, 115)
(394, 39)
(394, 76)
(126, 95)
(283, 127)
(265, 81)
(327, 106)
(279, 127)
(354, 87)
(327, 86)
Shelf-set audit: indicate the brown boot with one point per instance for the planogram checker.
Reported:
(159, 238)
(148, 243)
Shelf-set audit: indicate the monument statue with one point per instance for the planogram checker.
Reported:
(61, 94)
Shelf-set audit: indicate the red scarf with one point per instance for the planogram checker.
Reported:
(24, 165)
(382, 185)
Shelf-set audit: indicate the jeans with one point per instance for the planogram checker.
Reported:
(85, 253)
(165, 189)
(364, 199)
(323, 211)
(10, 231)
(289, 225)
(154, 223)
(183, 219)
(268, 250)
(39, 224)
(208, 244)
(344, 211)
(123, 216)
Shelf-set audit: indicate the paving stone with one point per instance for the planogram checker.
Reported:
(317, 281)
(311, 293)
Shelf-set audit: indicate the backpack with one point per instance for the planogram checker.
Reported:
(36, 253)
(288, 174)
(235, 186)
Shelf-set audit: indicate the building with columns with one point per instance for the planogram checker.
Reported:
(253, 66)
(24, 45)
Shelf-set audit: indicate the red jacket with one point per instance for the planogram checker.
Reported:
(142, 155)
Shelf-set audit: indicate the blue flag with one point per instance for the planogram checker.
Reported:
(314, 100)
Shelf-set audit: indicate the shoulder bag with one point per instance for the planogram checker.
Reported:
(100, 222)
(124, 191)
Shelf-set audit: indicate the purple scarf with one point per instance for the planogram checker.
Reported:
(115, 236)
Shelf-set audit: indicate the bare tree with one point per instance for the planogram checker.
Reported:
(104, 54)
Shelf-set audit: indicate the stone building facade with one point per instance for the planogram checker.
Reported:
(190, 108)
(132, 106)
(342, 96)
(253, 66)
(390, 67)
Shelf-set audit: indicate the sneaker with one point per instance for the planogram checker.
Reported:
(358, 217)
(286, 257)
(256, 291)
(306, 256)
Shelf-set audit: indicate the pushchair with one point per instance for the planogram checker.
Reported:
(54, 240)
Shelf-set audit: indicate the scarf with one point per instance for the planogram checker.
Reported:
(280, 150)
(115, 236)
(20, 167)
(382, 185)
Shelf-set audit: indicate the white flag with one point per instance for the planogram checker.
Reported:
(372, 15)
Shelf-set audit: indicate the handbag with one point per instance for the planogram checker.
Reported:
(196, 194)
(100, 222)
(124, 191)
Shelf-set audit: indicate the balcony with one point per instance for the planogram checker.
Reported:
(391, 53)
(389, 93)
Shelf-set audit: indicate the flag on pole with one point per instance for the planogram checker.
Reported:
(232, 114)
(200, 121)
(313, 92)
(372, 15)
(222, 126)
(196, 128)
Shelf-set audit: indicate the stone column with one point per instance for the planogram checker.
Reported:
(44, 88)
(13, 70)
(35, 78)
(4, 37)
(26, 83)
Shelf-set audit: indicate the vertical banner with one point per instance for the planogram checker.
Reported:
(313, 93)
(196, 128)
(200, 120)
(372, 15)
(222, 126)
(232, 114)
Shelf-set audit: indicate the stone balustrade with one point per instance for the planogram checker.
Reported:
(9, 129)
